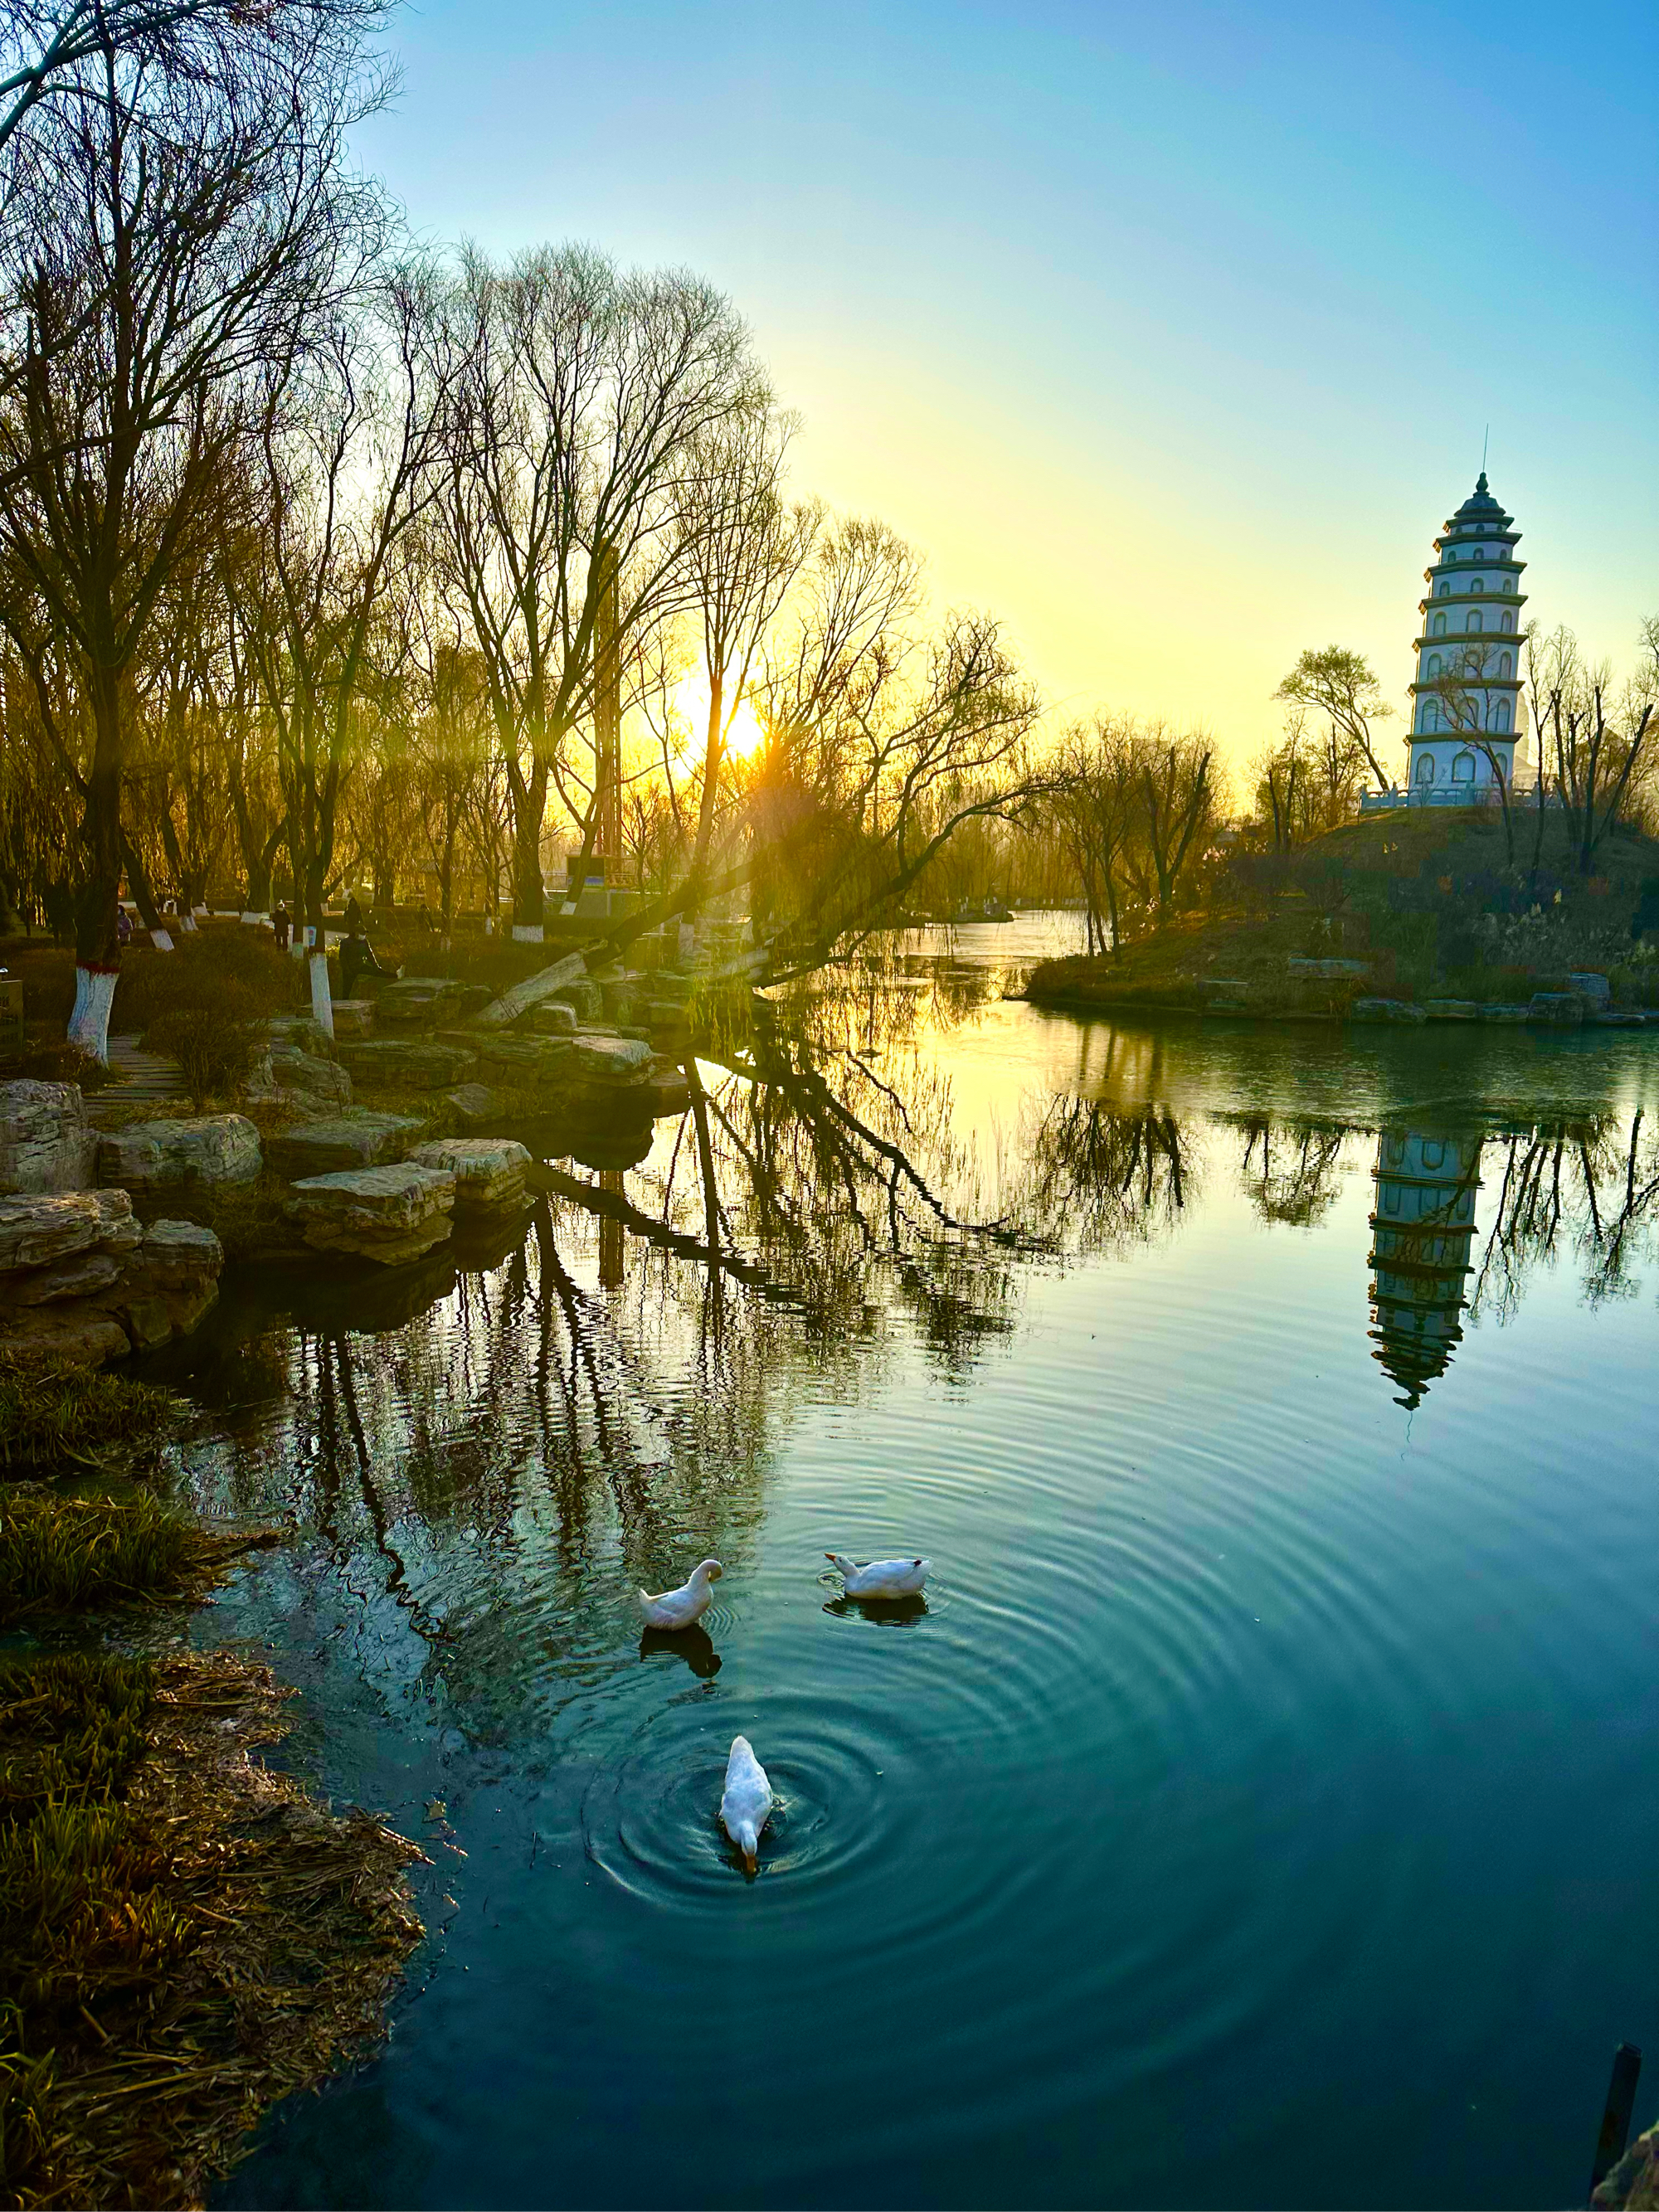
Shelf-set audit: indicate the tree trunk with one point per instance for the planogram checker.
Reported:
(97, 944)
(316, 944)
(529, 808)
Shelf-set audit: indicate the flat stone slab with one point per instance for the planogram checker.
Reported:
(502, 1012)
(310, 1074)
(1559, 1009)
(554, 1017)
(406, 1063)
(349, 1142)
(47, 1143)
(418, 1001)
(1593, 987)
(391, 1214)
(1326, 969)
(489, 1171)
(353, 1017)
(608, 1059)
(39, 1229)
(586, 999)
(202, 1153)
(1386, 1010)
(1452, 1009)
(1497, 1012)
(475, 1102)
(302, 1033)
(526, 1058)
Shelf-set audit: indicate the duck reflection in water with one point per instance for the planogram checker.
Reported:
(893, 1611)
(693, 1644)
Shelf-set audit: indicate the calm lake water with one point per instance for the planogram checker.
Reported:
(1261, 1808)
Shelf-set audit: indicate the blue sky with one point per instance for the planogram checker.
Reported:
(1171, 334)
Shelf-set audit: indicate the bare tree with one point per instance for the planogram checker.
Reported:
(746, 549)
(1179, 795)
(585, 394)
(44, 47)
(178, 229)
(349, 442)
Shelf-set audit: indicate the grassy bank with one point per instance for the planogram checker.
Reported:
(183, 1937)
(1425, 904)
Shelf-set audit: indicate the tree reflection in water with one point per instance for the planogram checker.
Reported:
(493, 1457)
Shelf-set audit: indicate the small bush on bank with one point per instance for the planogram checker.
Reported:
(57, 1060)
(214, 1048)
(232, 970)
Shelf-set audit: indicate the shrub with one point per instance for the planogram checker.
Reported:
(60, 1061)
(232, 970)
(214, 1047)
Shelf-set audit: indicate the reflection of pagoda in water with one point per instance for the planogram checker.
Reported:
(1421, 1231)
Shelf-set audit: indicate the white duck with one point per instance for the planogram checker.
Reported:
(679, 1609)
(881, 1578)
(747, 1804)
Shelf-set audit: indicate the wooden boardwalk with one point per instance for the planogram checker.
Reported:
(141, 1078)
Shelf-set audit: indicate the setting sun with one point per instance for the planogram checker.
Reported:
(744, 736)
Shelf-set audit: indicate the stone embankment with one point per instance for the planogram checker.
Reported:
(1328, 990)
(82, 1281)
(380, 1144)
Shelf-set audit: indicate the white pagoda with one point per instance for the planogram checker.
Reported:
(1467, 707)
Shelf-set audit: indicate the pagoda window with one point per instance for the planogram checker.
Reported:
(1463, 768)
(1425, 768)
(1440, 625)
(1434, 1154)
(1444, 587)
(1434, 664)
(1477, 583)
(1501, 718)
(1509, 583)
(1473, 622)
(1506, 622)
(1506, 664)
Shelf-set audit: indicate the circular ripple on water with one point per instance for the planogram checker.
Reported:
(651, 1821)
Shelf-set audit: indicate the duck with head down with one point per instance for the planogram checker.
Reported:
(881, 1578)
(746, 1805)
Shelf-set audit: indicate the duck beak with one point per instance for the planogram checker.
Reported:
(751, 1864)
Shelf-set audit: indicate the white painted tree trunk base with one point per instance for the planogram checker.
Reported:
(322, 999)
(296, 948)
(187, 923)
(527, 933)
(95, 990)
(161, 940)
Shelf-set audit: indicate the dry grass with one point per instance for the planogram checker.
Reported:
(53, 1418)
(184, 1937)
(61, 1551)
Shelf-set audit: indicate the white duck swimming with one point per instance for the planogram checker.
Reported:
(881, 1578)
(746, 1806)
(679, 1609)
